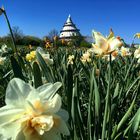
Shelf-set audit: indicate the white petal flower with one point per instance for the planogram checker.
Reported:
(46, 56)
(137, 53)
(4, 48)
(125, 51)
(70, 59)
(104, 45)
(86, 57)
(32, 114)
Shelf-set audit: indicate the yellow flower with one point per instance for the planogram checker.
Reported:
(33, 53)
(31, 56)
(104, 45)
(86, 57)
(48, 44)
(63, 42)
(137, 35)
(32, 114)
(55, 38)
(70, 59)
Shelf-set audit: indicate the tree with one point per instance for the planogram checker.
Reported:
(17, 33)
(52, 33)
(31, 40)
(76, 40)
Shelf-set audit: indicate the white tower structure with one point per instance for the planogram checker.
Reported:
(69, 30)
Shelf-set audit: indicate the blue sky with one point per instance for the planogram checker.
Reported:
(38, 17)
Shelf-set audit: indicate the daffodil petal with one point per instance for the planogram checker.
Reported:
(111, 35)
(63, 128)
(64, 114)
(48, 90)
(54, 104)
(19, 136)
(16, 92)
(114, 44)
(139, 60)
(100, 40)
(8, 112)
(51, 135)
(10, 129)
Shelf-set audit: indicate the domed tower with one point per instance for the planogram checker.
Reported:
(69, 30)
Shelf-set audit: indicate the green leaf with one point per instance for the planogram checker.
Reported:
(45, 68)
(16, 68)
(97, 97)
(127, 114)
(135, 125)
(37, 75)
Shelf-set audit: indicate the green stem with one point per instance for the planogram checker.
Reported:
(9, 26)
(107, 103)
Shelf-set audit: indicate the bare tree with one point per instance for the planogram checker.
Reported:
(52, 33)
(17, 32)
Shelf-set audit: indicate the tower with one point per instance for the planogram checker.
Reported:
(69, 30)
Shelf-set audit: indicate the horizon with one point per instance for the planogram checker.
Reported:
(37, 18)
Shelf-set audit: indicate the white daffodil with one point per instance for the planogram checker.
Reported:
(46, 56)
(2, 60)
(4, 48)
(137, 35)
(32, 114)
(104, 45)
(137, 54)
(125, 51)
(114, 55)
(70, 59)
(86, 57)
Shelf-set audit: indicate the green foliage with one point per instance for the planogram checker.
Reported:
(31, 40)
(101, 106)
(85, 44)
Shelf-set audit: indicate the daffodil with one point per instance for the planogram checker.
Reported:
(46, 56)
(104, 45)
(2, 60)
(86, 57)
(137, 54)
(48, 44)
(32, 114)
(30, 47)
(137, 35)
(4, 48)
(1, 10)
(125, 51)
(31, 56)
(70, 59)
(114, 55)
